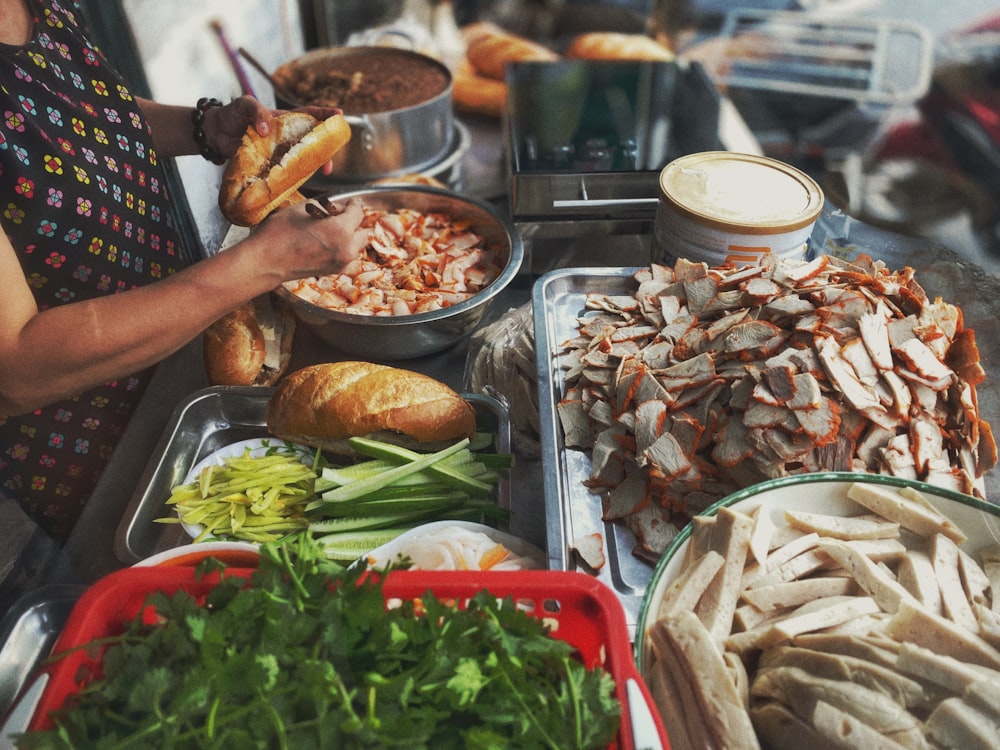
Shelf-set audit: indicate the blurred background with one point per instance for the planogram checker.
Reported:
(900, 123)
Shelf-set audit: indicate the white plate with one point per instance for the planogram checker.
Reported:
(257, 447)
(241, 554)
(815, 493)
(406, 543)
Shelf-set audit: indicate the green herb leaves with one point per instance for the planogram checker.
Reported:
(308, 656)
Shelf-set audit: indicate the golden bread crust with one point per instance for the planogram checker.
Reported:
(609, 45)
(490, 47)
(234, 347)
(330, 402)
(265, 173)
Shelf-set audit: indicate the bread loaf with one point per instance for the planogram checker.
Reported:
(475, 93)
(252, 345)
(323, 405)
(489, 48)
(266, 172)
(608, 45)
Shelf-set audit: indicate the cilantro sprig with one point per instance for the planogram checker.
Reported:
(308, 656)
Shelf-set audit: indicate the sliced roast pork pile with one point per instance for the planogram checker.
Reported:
(706, 380)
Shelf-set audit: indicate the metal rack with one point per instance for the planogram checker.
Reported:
(865, 60)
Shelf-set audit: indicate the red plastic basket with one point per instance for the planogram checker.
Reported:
(579, 609)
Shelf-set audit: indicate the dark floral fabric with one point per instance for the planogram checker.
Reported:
(83, 200)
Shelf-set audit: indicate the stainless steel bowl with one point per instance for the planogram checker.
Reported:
(409, 336)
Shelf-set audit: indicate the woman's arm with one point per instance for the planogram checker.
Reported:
(59, 352)
(173, 129)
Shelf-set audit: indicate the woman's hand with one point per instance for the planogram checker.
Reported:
(51, 354)
(299, 244)
(225, 126)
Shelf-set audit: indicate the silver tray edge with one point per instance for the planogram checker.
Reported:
(28, 632)
(567, 516)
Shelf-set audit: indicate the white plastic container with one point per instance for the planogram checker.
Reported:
(724, 207)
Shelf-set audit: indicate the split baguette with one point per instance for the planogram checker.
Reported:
(324, 405)
(252, 345)
(266, 172)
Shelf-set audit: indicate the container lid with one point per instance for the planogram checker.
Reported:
(741, 193)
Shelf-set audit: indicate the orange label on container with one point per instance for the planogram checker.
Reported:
(743, 254)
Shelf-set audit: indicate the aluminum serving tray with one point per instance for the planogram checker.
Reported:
(27, 633)
(571, 510)
(210, 419)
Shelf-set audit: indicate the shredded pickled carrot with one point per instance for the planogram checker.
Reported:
(493, 556)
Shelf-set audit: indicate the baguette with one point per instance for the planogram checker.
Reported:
(489, 48)
(266, 172)
(474, 93)
(326, 404)
(252, 345)
(609, 45)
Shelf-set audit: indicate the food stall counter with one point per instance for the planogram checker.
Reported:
(91, 547)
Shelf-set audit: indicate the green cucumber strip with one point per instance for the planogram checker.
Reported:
(481, 441)
(341, 475)
(475, 515)
(427, 503)
(362, 486)
(496, 460)
(385, 493)
(468, 466)
(478, 465)
(419, 478)
(351, 545)
(360, 523)
(442, 471)
(346, 474)
(479, 471)
(395, 490)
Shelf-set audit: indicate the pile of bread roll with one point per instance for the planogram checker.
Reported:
(478, 85)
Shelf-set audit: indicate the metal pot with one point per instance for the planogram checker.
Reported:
(396, 337)
(409, 138)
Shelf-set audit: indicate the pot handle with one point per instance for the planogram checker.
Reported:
(364, 125)
(387, 36)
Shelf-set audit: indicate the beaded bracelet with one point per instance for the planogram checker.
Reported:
(198, 120)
